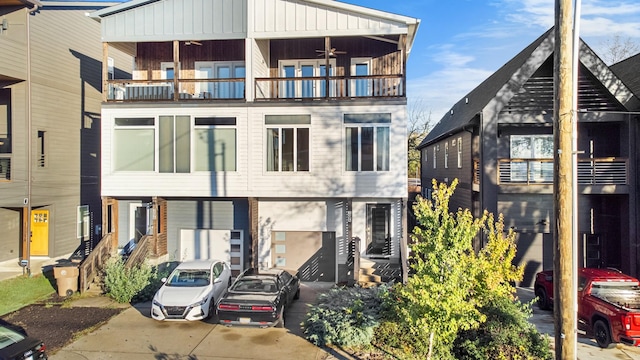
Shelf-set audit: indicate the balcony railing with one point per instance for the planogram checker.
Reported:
(165, 90)
(334, 87)
(596, 171)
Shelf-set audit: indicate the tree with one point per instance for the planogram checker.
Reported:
(617, 49)
(419, 124)
(450, 282)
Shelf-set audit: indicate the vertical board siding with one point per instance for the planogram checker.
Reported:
(178, 19)
(13, 45)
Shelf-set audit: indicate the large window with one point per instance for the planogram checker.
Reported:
(459, 144)
(215, 144)
(134, 144)
(220, 89)
(174, 140)
(305, 88)
(367, 142)
(360, 67)
(287, 142)
(524, 147)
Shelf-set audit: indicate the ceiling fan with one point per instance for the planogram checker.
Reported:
(332, 52)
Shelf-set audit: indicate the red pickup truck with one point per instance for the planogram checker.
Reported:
(608, 304)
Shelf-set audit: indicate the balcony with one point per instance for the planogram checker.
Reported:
(340, 87)
(596, 171)
(180, 90)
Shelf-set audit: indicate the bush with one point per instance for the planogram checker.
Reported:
(344, 316)
(122, 283)
(506, 334)
(155, 282)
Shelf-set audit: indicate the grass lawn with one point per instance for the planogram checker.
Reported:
(24, 290)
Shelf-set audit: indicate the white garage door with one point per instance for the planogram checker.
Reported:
(199, 244)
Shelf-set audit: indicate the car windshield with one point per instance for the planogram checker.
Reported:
(255, 285)
(9, 337)
(189, 278)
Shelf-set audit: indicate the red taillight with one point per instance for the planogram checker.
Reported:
(626, 320)
(41, 348)
(261, 308)
(228, 307)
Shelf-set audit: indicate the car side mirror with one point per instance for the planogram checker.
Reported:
(164, 280)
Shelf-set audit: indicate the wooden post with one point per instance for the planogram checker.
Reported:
(565, 293)
(176, 69)
(105, 71)
(327, 49)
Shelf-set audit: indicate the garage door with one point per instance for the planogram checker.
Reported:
(312, 254)
(197, 244)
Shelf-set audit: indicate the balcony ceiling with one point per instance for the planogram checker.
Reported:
(28, 3)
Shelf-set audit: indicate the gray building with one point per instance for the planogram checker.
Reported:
(498, 141)
(50, 95)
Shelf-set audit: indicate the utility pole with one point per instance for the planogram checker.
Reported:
(565, 295)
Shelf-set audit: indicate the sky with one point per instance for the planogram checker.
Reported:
(462, 42)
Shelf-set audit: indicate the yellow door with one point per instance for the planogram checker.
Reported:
(40, 232)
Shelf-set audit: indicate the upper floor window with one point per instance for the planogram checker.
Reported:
(215, 144)
(446, 155)
(459, 146)
(174, 137)
(134, 144)
(306, 69)
(360, 67)
(167, 70)
(220, 70)
(287, 142)
(42, 149)
(367, 142)
(434, 157)
(524, 147)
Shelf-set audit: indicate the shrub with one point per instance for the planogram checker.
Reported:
(344, 316)
(155, 282)
(505, 335)
(122, 283)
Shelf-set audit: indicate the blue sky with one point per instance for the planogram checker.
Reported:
(461, 42)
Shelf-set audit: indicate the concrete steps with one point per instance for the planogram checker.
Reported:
(376, 272)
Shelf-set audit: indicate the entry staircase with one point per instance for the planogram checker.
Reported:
(374, 272)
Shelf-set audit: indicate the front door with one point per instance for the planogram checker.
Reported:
(378, 230)
(39, 233)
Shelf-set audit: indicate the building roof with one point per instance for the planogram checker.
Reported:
(161, 20)
(628, 71)
(500, 86)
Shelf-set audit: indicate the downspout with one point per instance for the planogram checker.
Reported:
(480, 165)
(30, 12)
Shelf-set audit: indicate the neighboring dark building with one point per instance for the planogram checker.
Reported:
(498, 141)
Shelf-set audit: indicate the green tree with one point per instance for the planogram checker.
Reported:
(450, 282)
(419, 124)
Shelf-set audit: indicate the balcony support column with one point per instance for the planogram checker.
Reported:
(176, 69)
(105, 70)
(403, 46)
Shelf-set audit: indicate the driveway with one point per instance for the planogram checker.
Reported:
(134, 335)
(587, 349)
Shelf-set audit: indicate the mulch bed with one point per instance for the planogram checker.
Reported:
(56, 325)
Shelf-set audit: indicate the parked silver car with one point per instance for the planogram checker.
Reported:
(191, 291)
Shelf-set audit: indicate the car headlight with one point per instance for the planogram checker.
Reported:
(199, 303)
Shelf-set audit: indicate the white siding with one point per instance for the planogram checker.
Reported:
(280, 18)
(326, 178)
(177, 20)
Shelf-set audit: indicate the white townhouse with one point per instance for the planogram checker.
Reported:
(265, 132)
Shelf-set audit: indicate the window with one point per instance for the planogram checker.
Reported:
(220, 89)
(446, 155)
(83, 220)
(174, 144)
(524, 147)
(306, 88)
(360, 67)
(434, 157)
(167, 70)
(288, 144)
(459, 153)
(215, 144)
(41, 149)
(367, 142)
(134, 144)
(110, 69)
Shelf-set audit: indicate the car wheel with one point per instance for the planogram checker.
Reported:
(296, 296)
(543, 299)
(602, 334)
(280, 323)
(212, 308)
